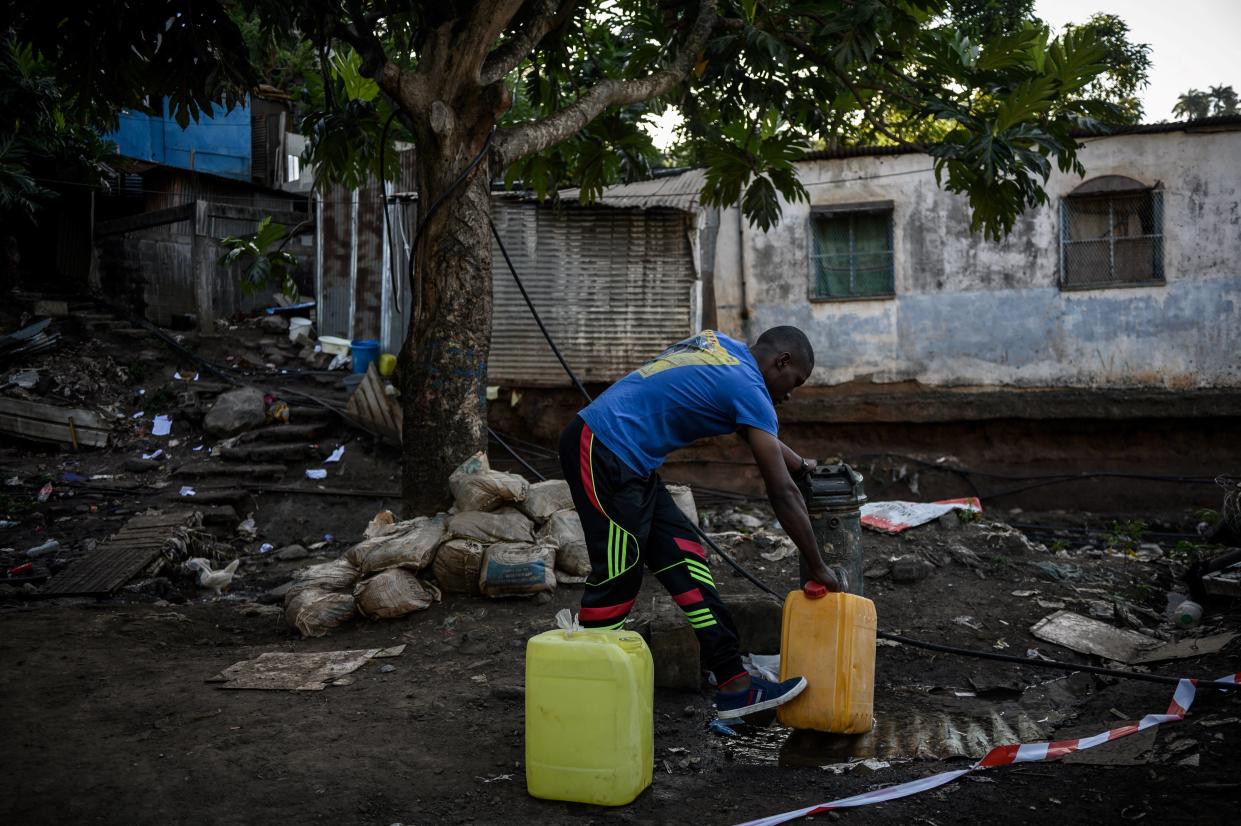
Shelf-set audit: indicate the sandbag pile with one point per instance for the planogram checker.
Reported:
(507, 537)
(376, 577)
(492, 547)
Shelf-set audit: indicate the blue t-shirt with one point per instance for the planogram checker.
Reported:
(707, 385)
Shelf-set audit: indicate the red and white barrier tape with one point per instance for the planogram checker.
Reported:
(1182, 699)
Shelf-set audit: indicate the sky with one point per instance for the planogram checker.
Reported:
(1194, 43)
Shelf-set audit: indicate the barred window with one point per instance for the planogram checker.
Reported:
(851, 251)
(1111, 235)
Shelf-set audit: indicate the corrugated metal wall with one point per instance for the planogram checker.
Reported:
(614, 287)
(358, 295)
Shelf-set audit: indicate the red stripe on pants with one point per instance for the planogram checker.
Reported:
(690, 597)
(691, 547)
(607, 612)
(588, 481)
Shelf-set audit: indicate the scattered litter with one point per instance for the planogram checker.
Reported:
(186, 490)
(387, 668)
(7, 523)
(1050, 604)
(1000, 644)
(294, 671)
(25, 379)
(211, 579)
(1035, 654)
(138, 415)
(719, 727)
(162, 426)
(248, 529)
(1058, 571)
(97, 477)
(895, 517)
(45, 492)
(763, 666)
(316, 473)
(1089, 636)
(196, 449)
(1024, 593)
(497, 777)
(180, 377)
(154, 455)
(336, 454)
(48, 547)
(968, 622)
(266, 548)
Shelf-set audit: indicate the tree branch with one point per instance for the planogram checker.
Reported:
(504, 58)
(525, 140)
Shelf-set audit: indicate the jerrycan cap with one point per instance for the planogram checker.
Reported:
(814, 590)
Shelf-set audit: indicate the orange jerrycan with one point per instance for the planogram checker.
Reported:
(590, 734)
(829, 638)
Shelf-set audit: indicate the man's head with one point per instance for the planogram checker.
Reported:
(785, 358)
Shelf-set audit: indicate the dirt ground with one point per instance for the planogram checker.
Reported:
(109, 717)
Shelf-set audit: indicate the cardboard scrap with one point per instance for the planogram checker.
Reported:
(1090, 636)
(298, 671)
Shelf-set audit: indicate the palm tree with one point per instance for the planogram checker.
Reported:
(1193, 105)
(1225, 100)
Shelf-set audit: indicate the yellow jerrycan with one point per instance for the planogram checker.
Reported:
(829, 638)
(589, 716)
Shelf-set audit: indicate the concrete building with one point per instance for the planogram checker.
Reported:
(1103, 335)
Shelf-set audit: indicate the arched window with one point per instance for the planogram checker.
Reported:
(1111, 234)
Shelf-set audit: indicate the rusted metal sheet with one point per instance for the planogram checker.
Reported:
(613, 286)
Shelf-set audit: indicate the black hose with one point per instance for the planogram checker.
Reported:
(1052, 664)
(535, 313)
(516, 455)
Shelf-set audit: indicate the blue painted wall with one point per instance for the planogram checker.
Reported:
(218, 143)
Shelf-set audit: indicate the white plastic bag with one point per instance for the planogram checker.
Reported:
(567, 622)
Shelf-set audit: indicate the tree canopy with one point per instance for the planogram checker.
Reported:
(758, 81)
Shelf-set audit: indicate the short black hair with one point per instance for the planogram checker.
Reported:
(789, 340)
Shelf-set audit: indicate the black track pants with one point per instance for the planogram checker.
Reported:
(631, 521)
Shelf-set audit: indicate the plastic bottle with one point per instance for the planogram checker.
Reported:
(589, 716)
(1188, 614)
(829, 638)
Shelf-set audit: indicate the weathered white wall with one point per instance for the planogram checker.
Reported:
(969, 311)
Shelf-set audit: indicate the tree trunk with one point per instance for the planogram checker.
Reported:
(444, 359)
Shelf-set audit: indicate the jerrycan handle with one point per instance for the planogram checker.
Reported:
(814, 590)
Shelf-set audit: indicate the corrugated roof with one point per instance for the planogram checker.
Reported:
(678, 191)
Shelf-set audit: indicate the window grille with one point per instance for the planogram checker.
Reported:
(851, 252)
(1112, 239)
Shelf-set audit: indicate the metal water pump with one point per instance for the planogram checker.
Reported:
(834, 496)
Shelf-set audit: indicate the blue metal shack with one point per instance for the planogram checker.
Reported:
(219, 143)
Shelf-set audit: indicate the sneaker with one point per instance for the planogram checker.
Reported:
(761, 695)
